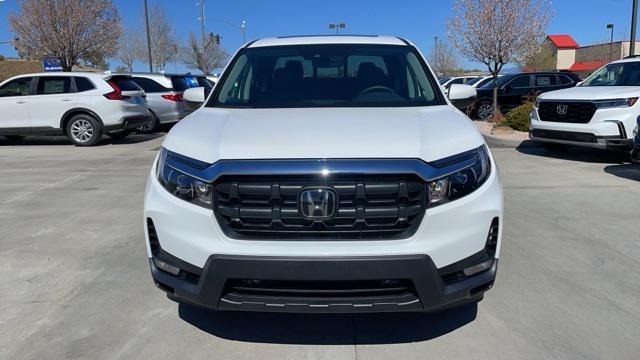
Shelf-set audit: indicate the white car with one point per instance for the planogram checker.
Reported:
(446, 82)
(164, 96)
(82, 106)
(325, 174)
(481, 81)
(601, 112)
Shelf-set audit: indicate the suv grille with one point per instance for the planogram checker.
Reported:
(367, 207)
(577, 112)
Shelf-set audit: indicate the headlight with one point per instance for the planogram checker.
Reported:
(536, 104)
(616, 103)
(182, 185)
(461, 182)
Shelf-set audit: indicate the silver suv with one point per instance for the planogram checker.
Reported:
(164, 96)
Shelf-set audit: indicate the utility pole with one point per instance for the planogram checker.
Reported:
(337, 26)
(610, 26)
(634, 20)
(435, 55)
(146, 20)
(202, 21)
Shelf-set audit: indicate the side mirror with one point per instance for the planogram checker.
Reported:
(462, 96)
(194, 97)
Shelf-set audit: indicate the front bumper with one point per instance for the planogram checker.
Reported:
(427, 292)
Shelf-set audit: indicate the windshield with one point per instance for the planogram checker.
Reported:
(502, 79)
(327, 76)
(473, 81)
(619, 74)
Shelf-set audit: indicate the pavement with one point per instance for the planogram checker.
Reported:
(75, 283)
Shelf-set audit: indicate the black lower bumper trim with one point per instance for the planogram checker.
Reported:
(428, 291)
(129, 123)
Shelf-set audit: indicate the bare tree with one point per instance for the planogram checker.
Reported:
(205, 58)
(498, 32)
(163, 42)
(443, 59)
(129, 47)
(68, 29)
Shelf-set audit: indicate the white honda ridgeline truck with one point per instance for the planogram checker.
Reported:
(601, 112)
(325, 174)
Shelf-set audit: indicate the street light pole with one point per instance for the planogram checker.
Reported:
(337, 26)
(610, 26)
(202, 21)
(146, 21)
(634, 20)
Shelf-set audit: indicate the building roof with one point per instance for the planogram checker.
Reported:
(328, 39)
(587, 65)
(562, 41)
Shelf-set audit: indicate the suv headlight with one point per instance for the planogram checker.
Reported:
(616, 103)
(461, 182)
(182, 185)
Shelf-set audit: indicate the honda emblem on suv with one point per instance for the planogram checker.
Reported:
(317, 203)
(562, 109)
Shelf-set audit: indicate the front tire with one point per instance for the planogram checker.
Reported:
(635, 155)
(84, 130)
(484, 110)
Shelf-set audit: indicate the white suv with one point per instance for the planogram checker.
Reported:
(82, 106)
(325, 174)
(601, 112)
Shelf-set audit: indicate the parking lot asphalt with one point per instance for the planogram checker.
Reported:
(75, 283)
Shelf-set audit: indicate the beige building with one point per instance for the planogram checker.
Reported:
(565, 54)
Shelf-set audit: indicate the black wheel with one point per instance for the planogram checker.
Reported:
(120, 134)
(635, 155)
(84, 130)
(14, 138)
(150, 126)
(484, 109)
(558, 148)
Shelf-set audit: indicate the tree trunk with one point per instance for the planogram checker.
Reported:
(495, 110)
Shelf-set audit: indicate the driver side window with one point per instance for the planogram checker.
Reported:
(17, 87)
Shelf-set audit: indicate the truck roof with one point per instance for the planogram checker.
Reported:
(328, 39)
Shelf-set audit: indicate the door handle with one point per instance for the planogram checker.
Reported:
(67, 99)
(21, 102)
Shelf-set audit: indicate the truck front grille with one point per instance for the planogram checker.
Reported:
(368, 207)
(575, 112)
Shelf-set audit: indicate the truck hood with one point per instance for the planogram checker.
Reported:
(592, 93)
(429, 133)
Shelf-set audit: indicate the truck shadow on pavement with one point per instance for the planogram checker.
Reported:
(626, 171)
(64, 141)
(588, 155)
(327, 329)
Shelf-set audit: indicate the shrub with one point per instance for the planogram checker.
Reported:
(518, 118)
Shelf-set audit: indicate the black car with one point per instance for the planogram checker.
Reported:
(513, 90)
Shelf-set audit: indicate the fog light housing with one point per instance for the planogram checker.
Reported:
(166, 267)
(483, 266)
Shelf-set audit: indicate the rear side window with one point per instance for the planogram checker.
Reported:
(17, 87)
(84, 84)
(204, 82)
(149, 85)
(50, 85)
(545, 80)
(125, 83)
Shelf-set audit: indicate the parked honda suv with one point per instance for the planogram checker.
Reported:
(599, 113)
(82, 106)
(325, 174)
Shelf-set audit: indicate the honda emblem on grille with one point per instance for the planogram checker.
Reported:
(317, 203)
(562, 109)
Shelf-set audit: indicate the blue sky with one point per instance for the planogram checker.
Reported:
(417, 20)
